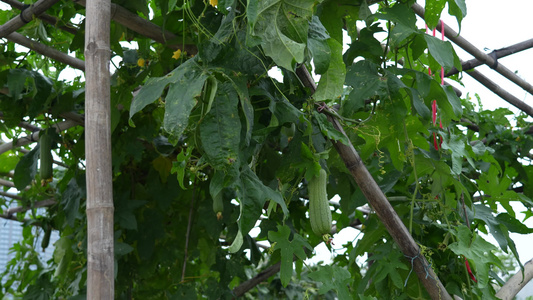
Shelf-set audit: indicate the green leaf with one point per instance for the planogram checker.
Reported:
(454, 101)
(282, 26)
(484, 214)
(162, 165)
(475, 248)
(178, 167)
(8, 161)
(449, 107)
(26, 169)
(122, 249)
(328, 130)
(366, 46)
(405, 22)
(16, 82)
(187, 82)
(331, 84)
(512, 224)
(456, 144)
(441, 51)
(152, 90)
(333, 278)
(387, 263)
(289, 249)
(457, 8)
(334, 13)
(181, 99)
(240, 85)
(366, 83)
(41, 289)
(220, 130)
(70, 200)
(318, 46)
(418, 103)
(252, 194)
(433, 10)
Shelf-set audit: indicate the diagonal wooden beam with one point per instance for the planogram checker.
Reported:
(498, 53)
(478, 54)
(45, 17)
(47, 51)
(146, 28)
(34, 137)
(496, 89)
(25, 16)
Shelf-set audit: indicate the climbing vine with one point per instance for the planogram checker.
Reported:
(200, 118)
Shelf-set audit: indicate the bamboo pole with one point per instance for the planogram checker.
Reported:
(498, 53)
(145, 28)
(496, 89)
(382, 207)
(100, 241)
(45, 17)
(9, 195)
(7, 183)
(478, 54)
(34, 137)
(47, 51)
(517, 282)
(25, 16)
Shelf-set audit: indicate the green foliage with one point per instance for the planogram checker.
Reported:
(212, 124)
(289, 249)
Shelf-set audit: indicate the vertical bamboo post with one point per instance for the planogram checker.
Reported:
(100, 247)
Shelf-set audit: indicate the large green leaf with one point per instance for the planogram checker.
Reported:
(318, 46)
(282, 26)
(433, 10)
(16, 82)
(366, 82)
(457, 8)
(70, 200)
(289, 249)
(253, 194)
(187, 81)
(220, 130)
(404, 19)
(336, 15)
(475, 248)
(331, 84)
(333, 278)
(26, 169)
(442, 52)
(181, 99)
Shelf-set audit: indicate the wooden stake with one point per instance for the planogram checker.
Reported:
(100, 241)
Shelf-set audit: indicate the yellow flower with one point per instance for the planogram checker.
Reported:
(141, 62)
(213, 2)
(177, 54)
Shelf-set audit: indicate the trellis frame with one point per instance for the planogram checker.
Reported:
(100, 203)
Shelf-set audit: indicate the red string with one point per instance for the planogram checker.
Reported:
(437, 140)
(469, 270)
(442, 37)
